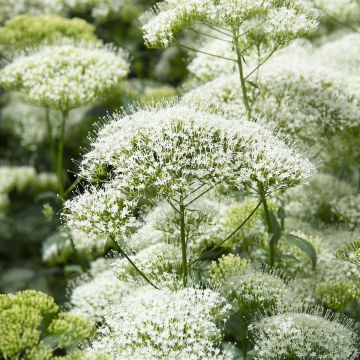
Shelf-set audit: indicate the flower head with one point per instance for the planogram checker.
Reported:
(162, 324)
(65, 76)
(304, 336)
(24, 31)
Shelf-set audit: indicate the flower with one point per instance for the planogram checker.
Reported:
(173, 152)
(65, 76)
(91, 297)
(337, 294)
(304, 336)
(153, 261)
(350, 253)
(252, 289)
(24, 31)
(286, 20)
(162, 324)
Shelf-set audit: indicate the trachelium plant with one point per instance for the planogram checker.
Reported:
(250, 27)
(62, 77)
(259, 27)
(177, 154)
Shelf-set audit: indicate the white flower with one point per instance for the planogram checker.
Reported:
(188, 148)
(173, 16)
(153, 261)
(253, 289)
(65, 76)
(93, 296)
(164, 325)
(174, 152)
(304, 336)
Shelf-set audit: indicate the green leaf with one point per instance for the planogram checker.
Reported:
(303, 245)
(251, 83)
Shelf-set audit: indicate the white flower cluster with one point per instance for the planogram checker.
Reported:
(92, 296)
(191, 147)
(11, 8)
(174, 150)
(287, 93)
(101, 212)
(153, 261)
(66, 76)
(161, 324)
(280, 21)
(304, 336)
(253, 289)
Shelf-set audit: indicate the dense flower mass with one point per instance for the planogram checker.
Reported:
(24, 31)
(189, 150)
(283, 20)
(161, 324)
(304, 336)
(65, 76)
(287, 90)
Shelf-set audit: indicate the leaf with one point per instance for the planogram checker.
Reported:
(251, 83)
(303, 245)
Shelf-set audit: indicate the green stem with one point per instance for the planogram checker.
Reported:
(268, 224)
(183, 244)
(50, 135)
(232, 234)
(60, 156)
(122, 252)
(83, 264)
(242, 78)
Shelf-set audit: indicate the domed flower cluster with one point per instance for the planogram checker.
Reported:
(287, 92)
(24, 319)
(153, 261)
(65, 76)
(92, 297)
(175, 151)
(24, 31)
(252, 289)
(304, 336)
(280, 21)
(161, 324)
